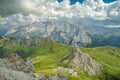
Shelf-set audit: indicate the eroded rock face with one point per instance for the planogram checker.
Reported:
(15, 68)
(80, 61)
(15, 62)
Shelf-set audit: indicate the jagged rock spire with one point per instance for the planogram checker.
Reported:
(83, 62)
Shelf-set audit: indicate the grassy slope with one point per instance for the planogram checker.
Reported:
(48, 56)
(108, 56)
(47, 53)
(46, 60)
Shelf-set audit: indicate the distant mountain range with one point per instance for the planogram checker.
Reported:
(65, 32)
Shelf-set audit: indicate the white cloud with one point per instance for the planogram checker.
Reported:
(51, 9)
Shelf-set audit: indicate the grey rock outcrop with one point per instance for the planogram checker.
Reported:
(15, 68)
(15, 62)
(60, 76)
(7, 74)
(82, 62)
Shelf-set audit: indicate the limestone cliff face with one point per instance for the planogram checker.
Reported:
(57, 30)
(15, 68)
(80, 61)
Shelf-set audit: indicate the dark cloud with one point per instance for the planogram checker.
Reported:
(9, 7)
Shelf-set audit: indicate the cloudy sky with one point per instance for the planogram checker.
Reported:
(29, 11)
(8, 7)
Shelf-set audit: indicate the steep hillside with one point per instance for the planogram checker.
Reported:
(82, 62)
(109, 57)
(27, 47)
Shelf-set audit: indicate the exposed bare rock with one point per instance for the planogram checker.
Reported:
(15, 62)
(7, 74)
(80, 61)
(60, 31)
(60, 76)
(15, 68)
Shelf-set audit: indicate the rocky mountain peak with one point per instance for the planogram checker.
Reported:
(63, 32)
(81, 61)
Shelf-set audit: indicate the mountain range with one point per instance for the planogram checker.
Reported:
(67, 33)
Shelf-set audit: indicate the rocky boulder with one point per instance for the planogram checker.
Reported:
(15, 68)
(15, 62)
